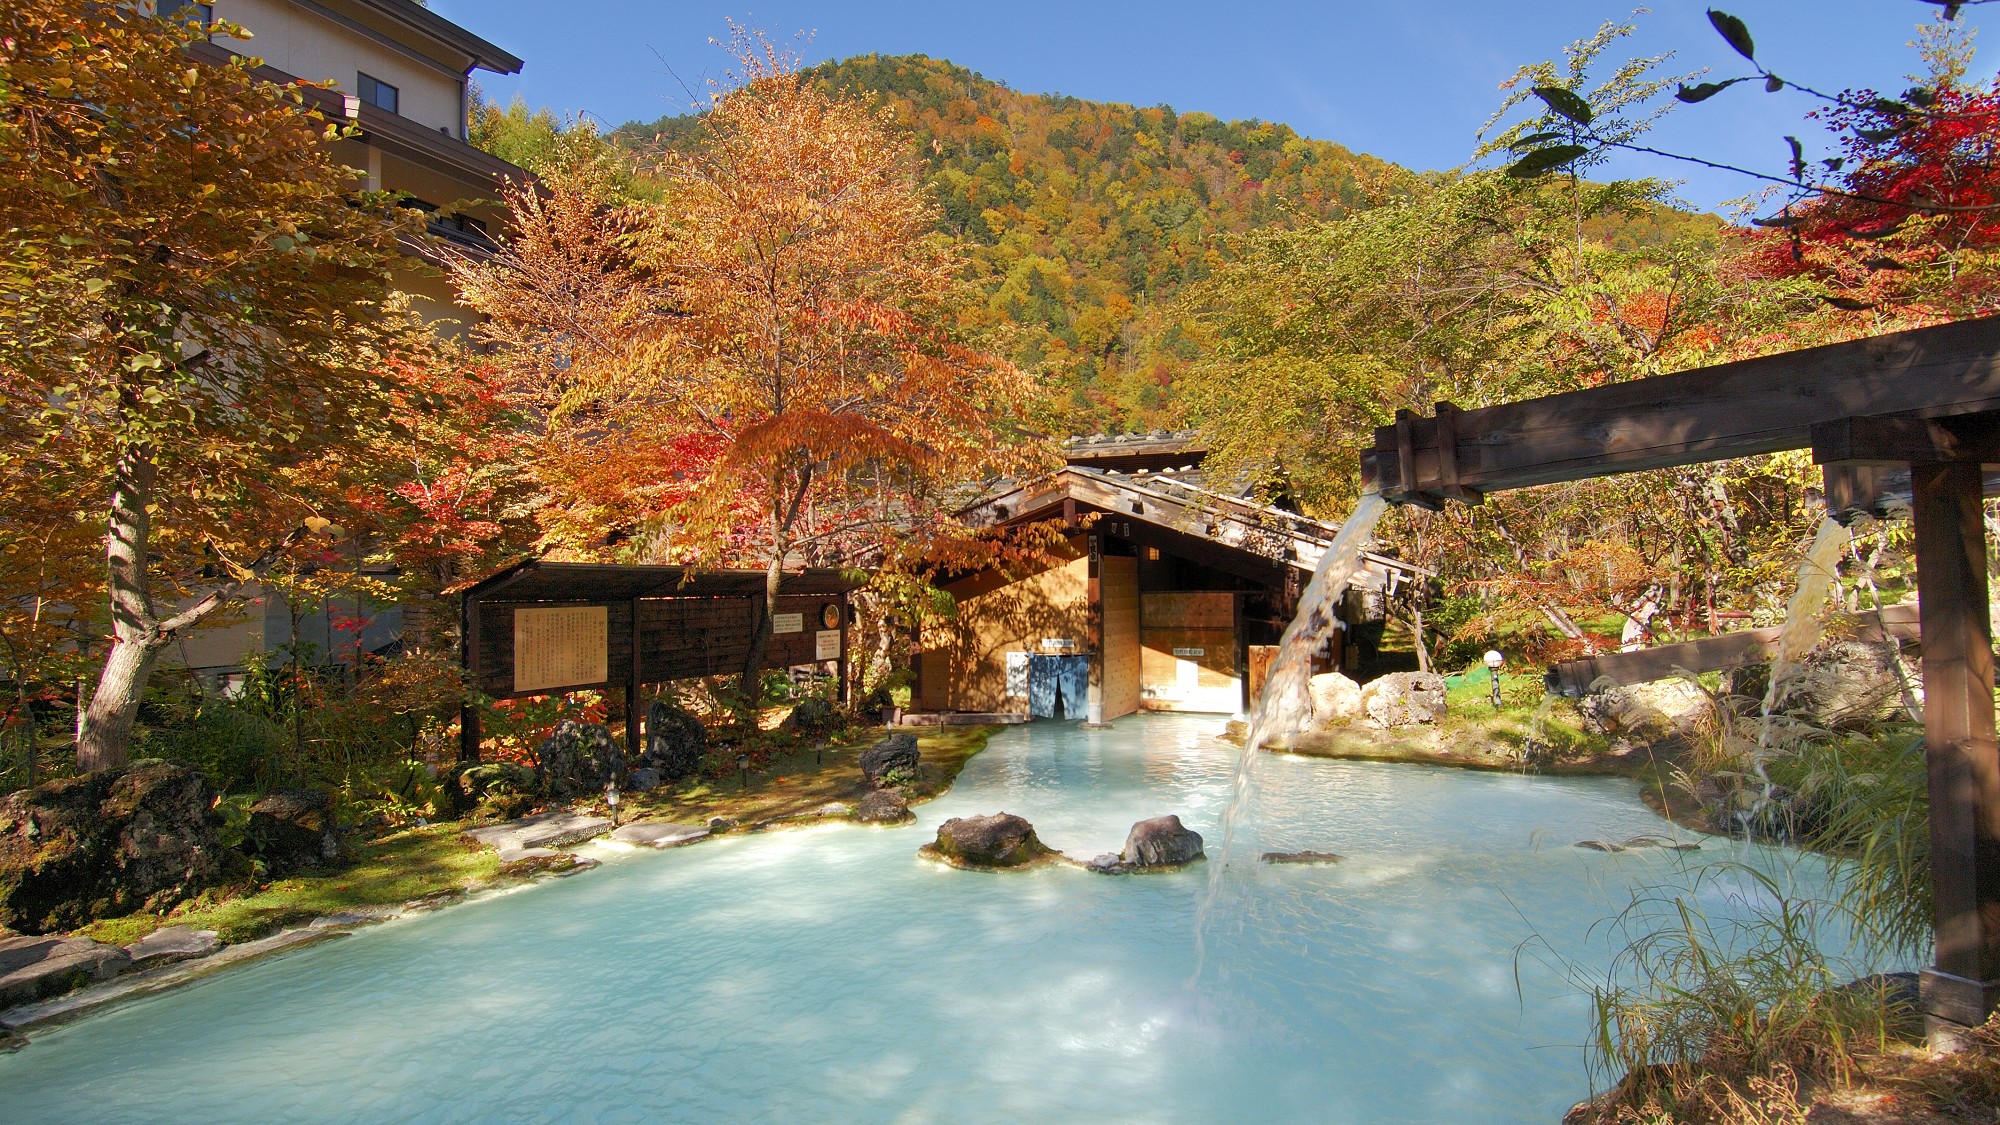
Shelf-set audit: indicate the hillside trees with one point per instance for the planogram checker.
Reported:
(761, 368)
(1081, 221)
(192, 349)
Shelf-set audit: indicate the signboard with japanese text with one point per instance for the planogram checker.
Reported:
(566, 646)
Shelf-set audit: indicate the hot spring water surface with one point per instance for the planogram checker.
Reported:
(829, 974)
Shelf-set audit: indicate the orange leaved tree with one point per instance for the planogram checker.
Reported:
(191, 320)
(763, 368)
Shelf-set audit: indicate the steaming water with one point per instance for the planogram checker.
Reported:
(831, 975)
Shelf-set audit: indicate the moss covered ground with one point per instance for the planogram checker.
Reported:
(389, 869)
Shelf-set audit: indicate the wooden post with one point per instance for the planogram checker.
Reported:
(1964, 985)
(634, 712)
(841, 667)
(469, 733)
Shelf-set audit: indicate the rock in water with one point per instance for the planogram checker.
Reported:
(1161, 842)
(883, 806)
(1335, 700)
(895, 754)
(32, 968)
(1301, 857)
(577, 760)
(999, 840)
(138, 837)
(292, 829)
(675, 741)
(1402, 699)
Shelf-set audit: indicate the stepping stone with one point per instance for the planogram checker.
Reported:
(659, 834)
(1301, 857)
(172, 943)
(32, 968)
(544, 830)
(516, 855)
(364, 916)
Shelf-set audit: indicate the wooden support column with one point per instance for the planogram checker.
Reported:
(841, 667)
(1964, 986)
(469, 733)
(635, 744)
(1094, 630)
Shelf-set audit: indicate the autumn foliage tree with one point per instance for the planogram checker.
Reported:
(762, 368)
(192, 343)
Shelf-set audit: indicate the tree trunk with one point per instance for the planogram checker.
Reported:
(105, 735)
(751, 685)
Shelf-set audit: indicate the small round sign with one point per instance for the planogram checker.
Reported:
(829, 615)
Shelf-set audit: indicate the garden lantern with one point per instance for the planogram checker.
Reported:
(611, 799)
(1493, 662)
(743, 763)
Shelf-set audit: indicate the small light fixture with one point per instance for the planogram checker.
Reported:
(743, 763)
(1494, 660)
(611, 798)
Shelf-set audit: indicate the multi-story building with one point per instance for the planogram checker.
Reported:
(402, 75)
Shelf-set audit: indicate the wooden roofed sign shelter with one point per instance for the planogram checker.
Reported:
(540, 628)
(1912, 417)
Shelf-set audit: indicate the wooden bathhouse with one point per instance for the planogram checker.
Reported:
(1169, 593)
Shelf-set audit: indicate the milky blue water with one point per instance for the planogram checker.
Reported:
(829, 974)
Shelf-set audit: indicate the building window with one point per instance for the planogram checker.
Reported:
(180, 11)
(376, 92)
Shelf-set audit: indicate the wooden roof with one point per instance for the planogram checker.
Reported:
(1167, 501)
(535, 580)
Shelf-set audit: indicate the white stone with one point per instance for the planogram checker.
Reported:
(173, 943)
(1335, 700)
(658, 834)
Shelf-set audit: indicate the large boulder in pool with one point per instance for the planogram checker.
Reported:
(1402, 699)
(1336, 700)
(578, 760)
(105, 844)
(1001, 840)
(892, 761)
(675, 741)
(1162, 842)
(291, 830)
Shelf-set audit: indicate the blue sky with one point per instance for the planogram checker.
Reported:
(1409, 82)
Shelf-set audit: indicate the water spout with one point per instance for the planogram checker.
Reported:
(1286, 696)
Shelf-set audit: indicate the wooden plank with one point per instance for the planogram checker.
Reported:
(1715, 654)
(1188, 609)
(1708, 414)
(1963, 760)
(1898, 439)
(1121, 636)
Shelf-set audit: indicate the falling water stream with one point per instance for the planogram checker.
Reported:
(1818, 574)
(1287, 694)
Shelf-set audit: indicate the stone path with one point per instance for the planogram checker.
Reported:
(536, 837)
(659, 834)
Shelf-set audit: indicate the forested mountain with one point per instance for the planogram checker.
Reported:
(1086, 219)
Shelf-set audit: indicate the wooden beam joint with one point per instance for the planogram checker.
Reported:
(1397, 466)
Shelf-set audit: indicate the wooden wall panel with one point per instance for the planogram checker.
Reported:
(1119, 589)
(679, 638)
(965, 660)
(1204, 620)
(1204, 609)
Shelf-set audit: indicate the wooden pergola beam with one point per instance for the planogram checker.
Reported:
(1715, 413)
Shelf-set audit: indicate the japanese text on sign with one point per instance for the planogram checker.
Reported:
(561, 647)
